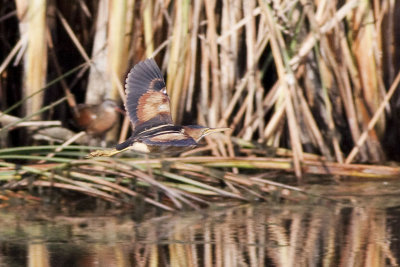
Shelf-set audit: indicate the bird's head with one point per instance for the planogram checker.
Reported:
(197, 132)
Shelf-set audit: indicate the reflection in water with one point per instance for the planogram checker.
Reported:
(262, 235)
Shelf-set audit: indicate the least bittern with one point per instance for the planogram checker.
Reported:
(148, 107)
(97, 119)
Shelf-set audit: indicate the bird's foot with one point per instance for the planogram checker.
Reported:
(102, 153)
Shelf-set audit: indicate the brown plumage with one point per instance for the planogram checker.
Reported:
(147, 102)
(97, 119)
(148, 107)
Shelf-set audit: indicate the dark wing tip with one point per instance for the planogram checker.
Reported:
(143, 73)
(144, 76)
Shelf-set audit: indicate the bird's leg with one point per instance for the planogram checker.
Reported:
(154, 189)
(104, 153)
(165, 165)
(149, 169)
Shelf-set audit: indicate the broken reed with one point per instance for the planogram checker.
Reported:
(169, 183)
(309, 76)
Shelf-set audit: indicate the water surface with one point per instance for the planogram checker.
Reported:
(356, 224)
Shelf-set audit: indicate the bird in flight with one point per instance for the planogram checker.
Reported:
(148, 107)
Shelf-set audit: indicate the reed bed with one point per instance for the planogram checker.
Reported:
(168, 183)
(315, 79)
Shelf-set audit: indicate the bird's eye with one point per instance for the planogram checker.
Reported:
(164, 91)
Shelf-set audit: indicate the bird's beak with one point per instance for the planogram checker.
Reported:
(215, 130)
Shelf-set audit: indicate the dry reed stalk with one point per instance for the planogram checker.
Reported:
(263, 107)
(178, 59)
(65, 144)
(294, 134)
(84, 187)
(374, 119)
(129, 26)
(212, 47)
(102, 195)
(227, 61)
(313, 128)
(238, 117)
(172, 193)
(327, 26)
(312, 38)
(205, 80)
(364, 78)
(33, 115)
(310, 166)
(126, 124)
(70, 97)
(125, 190)
(248, 7)
(233, 102)
(12, 53)
(32, 16)
(73, 37)
(287, 88)
(364, 37)
(344, 87)
(118, 27)
(148, 29)
(231, 31)
(274, 122)
(7, 119)
(99, 80)
(201, 185)
(194, 31)
(327, 82)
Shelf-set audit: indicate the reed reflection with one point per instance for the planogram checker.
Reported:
(262, 235)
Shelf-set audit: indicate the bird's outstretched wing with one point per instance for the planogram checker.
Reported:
(147, 102)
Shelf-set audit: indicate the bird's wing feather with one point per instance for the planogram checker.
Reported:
(170, 139)
(128, 142)
(147, 102)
